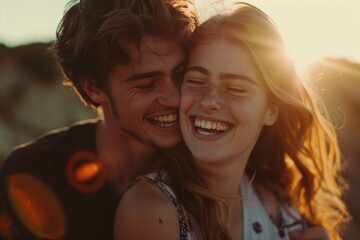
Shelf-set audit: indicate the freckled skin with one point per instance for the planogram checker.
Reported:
(222, 84)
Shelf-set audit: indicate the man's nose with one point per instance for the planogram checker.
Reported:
(170, 94)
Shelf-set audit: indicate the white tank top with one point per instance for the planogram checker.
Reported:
(257, 225)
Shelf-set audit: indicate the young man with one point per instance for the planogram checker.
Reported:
(125, 58)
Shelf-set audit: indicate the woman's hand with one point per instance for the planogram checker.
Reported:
(314, 233)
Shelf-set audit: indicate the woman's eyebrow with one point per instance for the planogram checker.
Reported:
(197, 69)
(223, 75)
(238, 76)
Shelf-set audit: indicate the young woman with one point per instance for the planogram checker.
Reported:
(260, 161)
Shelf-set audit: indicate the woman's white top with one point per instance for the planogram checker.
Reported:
(256, 221)
(257, 225)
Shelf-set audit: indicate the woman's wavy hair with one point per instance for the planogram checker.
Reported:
(93, 35)
(297, 158)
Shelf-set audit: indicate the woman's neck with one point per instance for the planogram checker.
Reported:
(224, 180)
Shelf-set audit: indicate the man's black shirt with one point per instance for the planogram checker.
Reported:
(54, 188)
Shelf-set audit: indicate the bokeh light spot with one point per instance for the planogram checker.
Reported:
(36, 206)
(84, 172)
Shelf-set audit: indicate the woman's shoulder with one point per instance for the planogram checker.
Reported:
(146, 193)
(145, 212)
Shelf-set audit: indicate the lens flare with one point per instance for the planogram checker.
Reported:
(84, 172)
(37, 206)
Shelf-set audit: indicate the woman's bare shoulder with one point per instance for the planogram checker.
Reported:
(145, 212)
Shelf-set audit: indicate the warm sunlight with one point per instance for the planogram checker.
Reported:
(311, 29)
(228, 132)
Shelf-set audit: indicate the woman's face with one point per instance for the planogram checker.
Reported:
(224, 103)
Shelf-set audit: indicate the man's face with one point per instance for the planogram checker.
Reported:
(144, 96)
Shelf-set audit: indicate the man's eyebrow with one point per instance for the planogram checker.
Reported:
(138, 76)
(238, 76)
(197, 69)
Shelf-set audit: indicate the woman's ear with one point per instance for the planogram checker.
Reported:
(271, 115)
(94, 92)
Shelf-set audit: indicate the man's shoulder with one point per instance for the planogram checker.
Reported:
(54, 143)
(57, 137)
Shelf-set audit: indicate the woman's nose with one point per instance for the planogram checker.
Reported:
(211, 100)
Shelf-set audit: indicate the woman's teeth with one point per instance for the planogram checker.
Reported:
(211, 125)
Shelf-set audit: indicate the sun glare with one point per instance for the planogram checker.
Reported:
(310, 29)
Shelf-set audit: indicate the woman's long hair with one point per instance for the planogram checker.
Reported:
(298, 158)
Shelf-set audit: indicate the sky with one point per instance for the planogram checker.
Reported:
(311, 28)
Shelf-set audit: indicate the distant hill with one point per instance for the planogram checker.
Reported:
(35, 59)
(32, 97)
(338, 83)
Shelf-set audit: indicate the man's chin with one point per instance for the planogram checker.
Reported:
(167, 143)
(156, 140)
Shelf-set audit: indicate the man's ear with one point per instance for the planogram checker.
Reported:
(271, 115)
(94, 92)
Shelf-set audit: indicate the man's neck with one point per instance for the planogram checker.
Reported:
(122, 157)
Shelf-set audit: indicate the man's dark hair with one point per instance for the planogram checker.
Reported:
(92, 35)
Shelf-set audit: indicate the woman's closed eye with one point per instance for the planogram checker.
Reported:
(194, 82)
(237, 90)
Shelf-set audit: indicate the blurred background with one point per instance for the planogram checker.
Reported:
(323, 38)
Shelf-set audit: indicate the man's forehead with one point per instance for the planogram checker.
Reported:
(158, 46)
(157, 52)
(151, 45)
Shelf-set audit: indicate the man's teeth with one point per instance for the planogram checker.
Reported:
(165, 120)
(211, 125)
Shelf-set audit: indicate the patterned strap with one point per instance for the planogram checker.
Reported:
(184, 222)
